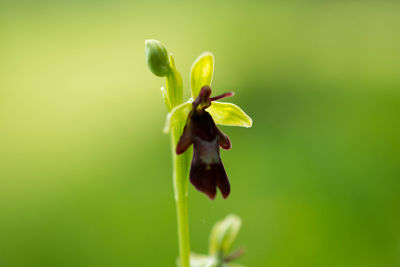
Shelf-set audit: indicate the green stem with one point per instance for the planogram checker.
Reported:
(180, 179)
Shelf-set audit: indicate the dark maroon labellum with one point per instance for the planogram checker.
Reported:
(207, 171)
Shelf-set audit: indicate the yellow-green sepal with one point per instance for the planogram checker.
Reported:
(229, 114)
(177, 114)
(202, 72)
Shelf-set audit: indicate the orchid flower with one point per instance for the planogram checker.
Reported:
(201, 112)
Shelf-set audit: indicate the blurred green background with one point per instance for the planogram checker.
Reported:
(85, 171)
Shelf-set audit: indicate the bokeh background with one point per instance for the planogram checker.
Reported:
(85, 171)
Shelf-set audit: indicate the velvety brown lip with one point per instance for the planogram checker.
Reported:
(207, 172)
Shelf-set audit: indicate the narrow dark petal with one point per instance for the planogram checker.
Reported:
(228, 94)
(223, 140)
(233, 256)
(185, 141)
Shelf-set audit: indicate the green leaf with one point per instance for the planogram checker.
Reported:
(202, 72)
(177, 114)
(229, 114)
(223, 236)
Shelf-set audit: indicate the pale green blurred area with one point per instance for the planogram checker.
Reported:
(85, 171)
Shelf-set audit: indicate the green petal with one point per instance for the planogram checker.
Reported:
(177, 114)
(202, 72)
(224, 234)
(229, 114)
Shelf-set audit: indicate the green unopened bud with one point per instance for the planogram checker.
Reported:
(223, 235)
(157, 58)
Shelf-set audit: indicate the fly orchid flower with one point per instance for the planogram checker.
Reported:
(201, 113)
(207, 171)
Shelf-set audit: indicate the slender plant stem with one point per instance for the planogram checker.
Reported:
(180, 173)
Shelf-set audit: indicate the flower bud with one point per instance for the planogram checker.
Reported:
(157, 58)
(223, 235)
